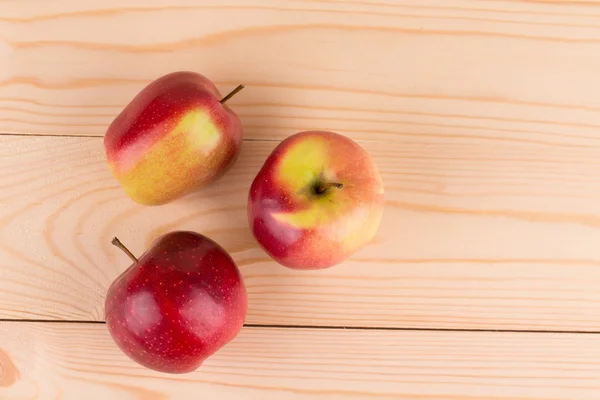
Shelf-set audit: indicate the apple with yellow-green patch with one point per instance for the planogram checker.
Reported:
(317, 200)
(176, 135)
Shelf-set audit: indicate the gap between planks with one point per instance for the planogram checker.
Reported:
(101, 137)
(332, 327)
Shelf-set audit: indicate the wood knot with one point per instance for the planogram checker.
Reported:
(9, 373)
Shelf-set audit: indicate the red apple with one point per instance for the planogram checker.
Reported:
(175, 136)
(317, 200)
(176, 305)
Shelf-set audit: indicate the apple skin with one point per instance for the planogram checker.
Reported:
(173, 137)
(302, 229)
(178, 304)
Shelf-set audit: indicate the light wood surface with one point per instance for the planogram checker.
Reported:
(482, 115)
(441, 259)
(516, 71)
(67, 361)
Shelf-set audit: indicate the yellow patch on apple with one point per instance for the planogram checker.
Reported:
(299, 167)
(172, 159)
(205, 133)
(321, 213)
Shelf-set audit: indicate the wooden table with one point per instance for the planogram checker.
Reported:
(483, 282)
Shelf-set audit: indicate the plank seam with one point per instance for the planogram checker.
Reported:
(334, 327)
(100, 137)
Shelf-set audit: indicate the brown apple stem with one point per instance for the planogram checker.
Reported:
(231, 94)
(326, 186)
(121, 246)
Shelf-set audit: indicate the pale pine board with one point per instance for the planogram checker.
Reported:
(77, 361)
(376, 70)
(475, 235)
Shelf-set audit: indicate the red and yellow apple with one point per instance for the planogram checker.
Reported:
(317, 199)
(175, 136)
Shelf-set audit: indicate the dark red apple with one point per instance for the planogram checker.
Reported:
(176, 305)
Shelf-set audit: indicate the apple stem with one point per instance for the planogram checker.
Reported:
(231, 94)
(326, 186)
(121, 246)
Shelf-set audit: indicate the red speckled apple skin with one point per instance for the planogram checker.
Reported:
(181, 302)
(162, 101)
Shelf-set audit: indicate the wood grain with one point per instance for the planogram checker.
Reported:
(482, 236)
(70, 361)
(483, 117)
(372, 69)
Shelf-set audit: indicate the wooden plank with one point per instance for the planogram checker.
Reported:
(476, 234)
(372, 69)
(73, 361)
